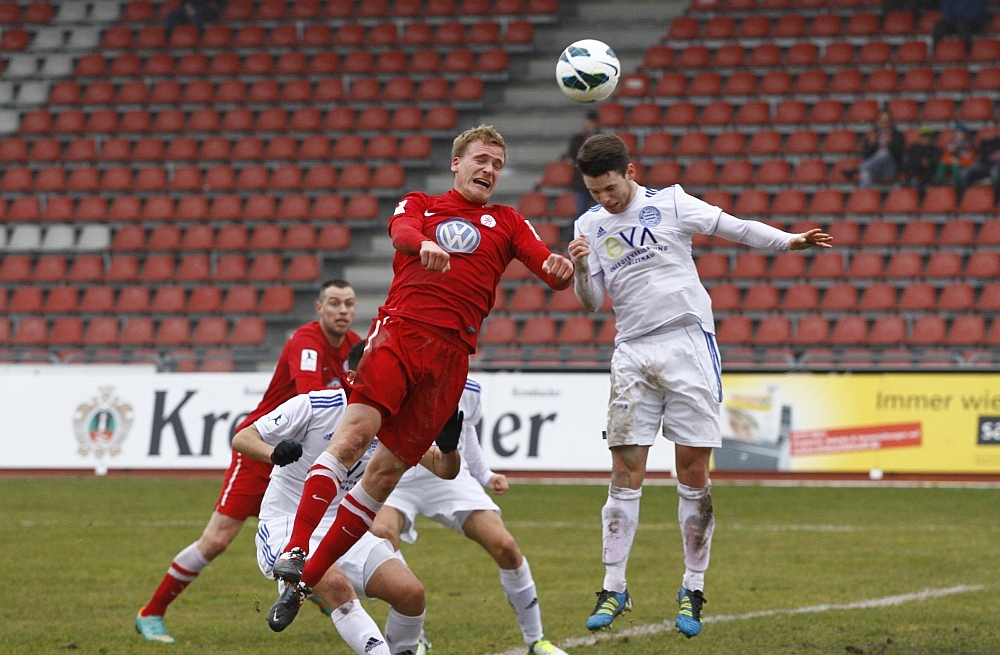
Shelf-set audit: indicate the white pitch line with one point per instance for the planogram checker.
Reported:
(668, 626)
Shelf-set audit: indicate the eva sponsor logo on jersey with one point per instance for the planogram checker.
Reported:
(458, 235)
(628, 240)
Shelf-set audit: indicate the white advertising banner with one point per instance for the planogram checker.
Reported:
(100, 417)
(551, 422)
(66, 417)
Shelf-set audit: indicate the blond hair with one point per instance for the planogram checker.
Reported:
(484, 133)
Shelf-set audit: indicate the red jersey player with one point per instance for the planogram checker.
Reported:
(313, 358)
(450, 253)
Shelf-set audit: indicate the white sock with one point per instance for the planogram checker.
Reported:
(694, 513)
(620, 518)
(359, 630)
(336, 467)
(522, 596)
(402, 632)
(358, 501)
(191, 559)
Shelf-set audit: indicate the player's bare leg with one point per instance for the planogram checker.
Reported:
(185, 567)
(350, 439)
(619, 520)
(389, 523)
(396, 584)
(487, 529)
(697, 521)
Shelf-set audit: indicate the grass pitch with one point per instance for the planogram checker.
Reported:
(83, 554)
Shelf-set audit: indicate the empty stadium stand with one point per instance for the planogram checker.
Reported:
(165, 198)
(756, 106)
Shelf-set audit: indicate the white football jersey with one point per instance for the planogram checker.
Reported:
(309, 419)
(642, 258)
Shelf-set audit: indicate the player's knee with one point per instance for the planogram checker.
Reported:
(410, 598)
(212, 544)
(335, 589)
(506, 553)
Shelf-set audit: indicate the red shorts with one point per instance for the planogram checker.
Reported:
(243, 487)
(414, 373)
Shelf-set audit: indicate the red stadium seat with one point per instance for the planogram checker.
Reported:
(801, 297)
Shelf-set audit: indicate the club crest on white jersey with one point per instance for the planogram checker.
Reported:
(458, 235)
(649, 216)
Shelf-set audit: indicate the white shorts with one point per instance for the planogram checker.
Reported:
(673, 380)
(448, 502)
(359, 563)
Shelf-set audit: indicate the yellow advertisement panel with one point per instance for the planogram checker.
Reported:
(896, 422)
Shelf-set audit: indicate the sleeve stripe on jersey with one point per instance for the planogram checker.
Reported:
(325, 403)
(473, 386)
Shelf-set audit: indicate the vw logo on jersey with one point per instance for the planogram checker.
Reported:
(649, 216)
(458, 235)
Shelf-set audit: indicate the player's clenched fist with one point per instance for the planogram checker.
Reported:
(560, 268)
(579, 249)
(286, 452)
(434, 258)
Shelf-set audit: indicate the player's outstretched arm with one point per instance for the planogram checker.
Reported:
(814, 238)
(588, 290)
(249, 442)
(498, 483)
(444, 465)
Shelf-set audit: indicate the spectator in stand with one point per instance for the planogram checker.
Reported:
(882, 150)
(986, 164)
(197, 12)
(958, 156)
(962, 18)
(584, 200)
(921, 159)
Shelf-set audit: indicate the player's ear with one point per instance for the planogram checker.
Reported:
(454, 165)
(630, 172)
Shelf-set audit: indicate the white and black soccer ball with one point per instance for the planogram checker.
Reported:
(588, 71)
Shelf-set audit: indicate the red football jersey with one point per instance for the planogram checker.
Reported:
(307, 363)
(481, 239)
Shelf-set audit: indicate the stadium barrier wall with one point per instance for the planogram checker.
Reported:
(102, 417)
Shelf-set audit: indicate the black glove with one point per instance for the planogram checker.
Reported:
(286, 452)
(447, 441)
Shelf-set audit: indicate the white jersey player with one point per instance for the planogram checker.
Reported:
(463, 506)
(298, 430)
(635, 245)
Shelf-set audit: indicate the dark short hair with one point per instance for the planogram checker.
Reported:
(603, 153)
(354, 355)
(338, 283)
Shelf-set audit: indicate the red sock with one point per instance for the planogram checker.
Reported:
(318, 493)
(185, 567)
(169, 589)
(346, 530)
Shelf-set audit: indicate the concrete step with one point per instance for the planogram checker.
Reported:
(611, 13)
(536, 153)
(513, 181)
(530, 123)
(367, 309)
(369, 277)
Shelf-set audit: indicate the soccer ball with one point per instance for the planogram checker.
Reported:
(588, 71)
